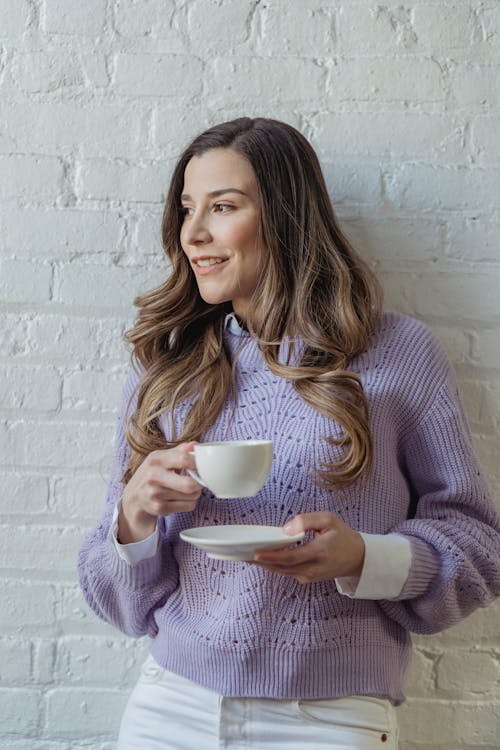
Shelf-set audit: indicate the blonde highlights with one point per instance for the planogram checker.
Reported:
(315, 290)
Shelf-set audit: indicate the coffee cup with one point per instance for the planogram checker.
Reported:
(233, 468)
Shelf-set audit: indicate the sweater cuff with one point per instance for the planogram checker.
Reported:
(134, 552)
(424, 567)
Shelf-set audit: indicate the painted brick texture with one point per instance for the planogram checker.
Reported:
(402, 102)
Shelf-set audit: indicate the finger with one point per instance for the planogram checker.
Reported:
(318, 521)
(174, 459)
(304, 554)
(172, 484)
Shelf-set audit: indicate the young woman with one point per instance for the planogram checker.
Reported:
(269, 326)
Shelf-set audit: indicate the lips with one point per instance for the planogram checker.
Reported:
(205, 264)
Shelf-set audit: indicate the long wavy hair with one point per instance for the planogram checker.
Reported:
(314, 289)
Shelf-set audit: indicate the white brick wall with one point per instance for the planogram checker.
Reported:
(96, 99)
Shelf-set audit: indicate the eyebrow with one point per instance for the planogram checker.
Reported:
(215, 193)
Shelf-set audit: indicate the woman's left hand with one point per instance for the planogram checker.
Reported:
(335, 551)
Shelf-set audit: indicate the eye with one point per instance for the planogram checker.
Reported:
(223, 208)
(186, 210)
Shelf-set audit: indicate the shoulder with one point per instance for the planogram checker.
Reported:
(410, 345)
(406, 366)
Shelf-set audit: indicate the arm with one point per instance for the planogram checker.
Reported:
(455, 533)
(127, 595)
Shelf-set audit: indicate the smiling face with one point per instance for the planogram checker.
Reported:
(219, 233)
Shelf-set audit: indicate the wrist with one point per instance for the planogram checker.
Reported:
(359, 547)
(134, 525)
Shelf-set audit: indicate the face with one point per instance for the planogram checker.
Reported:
(220, 227)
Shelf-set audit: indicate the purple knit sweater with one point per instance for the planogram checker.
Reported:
(242, 631)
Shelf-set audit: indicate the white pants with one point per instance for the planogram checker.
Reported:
(167, 712)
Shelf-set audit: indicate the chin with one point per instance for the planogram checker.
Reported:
(212, 298)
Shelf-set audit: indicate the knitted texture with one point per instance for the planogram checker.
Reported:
(243, 631)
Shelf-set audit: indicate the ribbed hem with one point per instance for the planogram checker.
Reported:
(424, 567)
(288, 675)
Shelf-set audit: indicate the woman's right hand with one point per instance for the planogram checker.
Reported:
(158, 487)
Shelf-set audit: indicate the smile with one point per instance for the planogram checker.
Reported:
(208, 262)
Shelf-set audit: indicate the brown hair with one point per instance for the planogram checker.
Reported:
(315, 288)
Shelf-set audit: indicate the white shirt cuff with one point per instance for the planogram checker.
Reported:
(385, 569)
(134, 552)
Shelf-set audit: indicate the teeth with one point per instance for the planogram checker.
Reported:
(209, 262)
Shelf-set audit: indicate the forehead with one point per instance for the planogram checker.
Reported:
(219, 168)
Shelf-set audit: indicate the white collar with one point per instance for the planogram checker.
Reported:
(232, 325)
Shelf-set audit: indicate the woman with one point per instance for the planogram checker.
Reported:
(269, 326)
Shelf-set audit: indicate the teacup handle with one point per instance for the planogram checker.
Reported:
(196, 477)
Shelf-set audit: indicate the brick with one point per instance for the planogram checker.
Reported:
(264, 79)
(60, 339)
(73, 17)
(97, 661)
(147, 237)
(19, 711)
(37, 389)
(352, 183)
(485, 140)
(80, 498)
(396, 287)
(107, 180)
(43, 660)
(397, 240)
(468, 673)
(475, 86)
(412, 187)
(15, 16)
(375, 29)
(35, 177)
(477, 723)
(158, 75)
(55, 444)
(104, 130)
(444, 27)
(23, 494)
(487, 347)
(386, 80)
(173, 128)
(218, 28)
(74, 616)
(44, 72)
(457, 340)
(101, 286)
(429, 137)
(26, 605)
(22, 281)
(50, 550)
(420, 681)
(474, 239)
(470, 296)
(15, 661)
(89, 391)
(432, 721)
(30, 231)
(156, 19)
(80, 713)
(300, 29)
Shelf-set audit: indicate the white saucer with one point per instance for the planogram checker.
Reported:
(238, 542)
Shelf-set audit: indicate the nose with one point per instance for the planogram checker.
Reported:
(195, 230)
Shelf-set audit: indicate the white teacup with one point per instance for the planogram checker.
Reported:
(233, 468)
